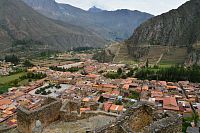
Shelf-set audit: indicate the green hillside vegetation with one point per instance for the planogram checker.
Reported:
(173, 73)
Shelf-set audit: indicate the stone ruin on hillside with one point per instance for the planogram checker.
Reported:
(142, 118)
(28, 121)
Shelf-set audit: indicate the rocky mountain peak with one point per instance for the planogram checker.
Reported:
(94, 9)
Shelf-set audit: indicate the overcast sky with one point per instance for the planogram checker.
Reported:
(155, 7)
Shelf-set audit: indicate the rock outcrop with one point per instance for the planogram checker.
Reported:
(176, 28)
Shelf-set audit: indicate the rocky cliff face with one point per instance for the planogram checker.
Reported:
(112, 25)
(176, 28)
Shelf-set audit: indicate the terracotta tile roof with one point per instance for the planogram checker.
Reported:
(164, 83)
(116, 108)
(8, 112)
(156, 94)
(107, 106)
(172, 87)
(170, 103)
(145, 88)
(105, 95)
(92, 76)
(109, 86)
(86, 99)
(128, 81)
(125, 86)
(3, 107)
(115, 92)
(84, 109)
(5, 102)
(4, 116)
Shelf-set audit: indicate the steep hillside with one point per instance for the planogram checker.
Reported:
(112, 25)
(20, 22)
(176, 28)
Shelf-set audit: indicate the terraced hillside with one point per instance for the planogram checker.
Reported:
(156, 55)
(175, 55)
(122, 55)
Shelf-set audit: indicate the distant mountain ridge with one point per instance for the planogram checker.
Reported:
(20, 22)
(111, 25)
(94, 9)
(176, 29)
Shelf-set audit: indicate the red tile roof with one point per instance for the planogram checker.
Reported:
(109, 86)
(107, 106)
(115, 92)
(125, 86)
(171, 87)
(84, 109)
(170, 103)
(145, 88)
(116, 108)
(156, 94)
(5, 102)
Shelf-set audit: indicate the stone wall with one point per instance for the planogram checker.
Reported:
(46, 114)
(171, 124)
(143, 118)
(70, 111)
(5, 130)
(88, 114)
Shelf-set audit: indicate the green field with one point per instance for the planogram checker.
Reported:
(8, 79)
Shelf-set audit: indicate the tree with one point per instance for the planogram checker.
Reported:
(119, 71)
(195, 117)
(12, 58)
(147, 63)
(27, 63)
(101, 99)
(118, 102)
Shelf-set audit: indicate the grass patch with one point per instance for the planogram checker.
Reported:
(7, 79)
(134, 95)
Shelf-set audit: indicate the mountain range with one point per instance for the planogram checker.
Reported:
(111, 25)
(29, 26)
(20, 22)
